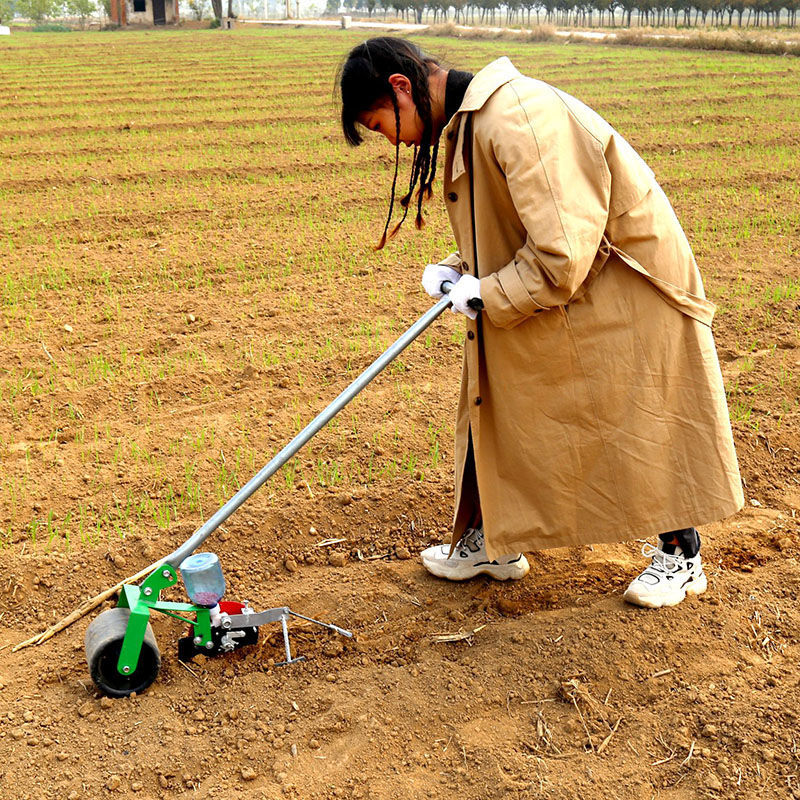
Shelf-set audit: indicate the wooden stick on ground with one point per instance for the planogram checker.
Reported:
(84, 609)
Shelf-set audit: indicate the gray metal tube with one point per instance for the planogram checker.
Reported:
(313, 427)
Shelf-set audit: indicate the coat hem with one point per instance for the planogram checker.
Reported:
(647, 529)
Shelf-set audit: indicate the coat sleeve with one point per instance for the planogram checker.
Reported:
(559, 183)
(454, 260)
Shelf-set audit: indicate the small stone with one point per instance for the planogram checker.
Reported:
(28, 716)
(402, 552)
(710, 730)
(106, 702)
(113, 783)
(755, 503)
(199, 715)
(190, 318)
(162, 781)
(784, 543)
(68, 328)
(62, 756)
(313, 744)
(713, 782)
(119, 560)
(290, 564)
(17, 733)
(337, 559)
(137, 786)
(293, 750)
(330, 677)
(248, 774)
(86, 709)
(345, 499)
(768, 754)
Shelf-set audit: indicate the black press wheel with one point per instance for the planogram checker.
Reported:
(103, 643)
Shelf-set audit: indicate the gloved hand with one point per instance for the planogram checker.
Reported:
(434, 275)
(468, 288)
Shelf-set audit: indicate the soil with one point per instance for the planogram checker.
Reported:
(548, 687)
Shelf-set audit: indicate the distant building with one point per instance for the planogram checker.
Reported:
(144, 12)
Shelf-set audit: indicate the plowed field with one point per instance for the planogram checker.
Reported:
(187, 279)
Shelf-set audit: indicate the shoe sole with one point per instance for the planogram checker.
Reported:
(695, 587)
(500, 572)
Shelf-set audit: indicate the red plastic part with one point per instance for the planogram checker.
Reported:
(230, 607)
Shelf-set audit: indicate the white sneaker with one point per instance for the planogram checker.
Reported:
(668, 579)
(469, 559)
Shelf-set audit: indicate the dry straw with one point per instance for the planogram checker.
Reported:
(737, 41)
(541, 33)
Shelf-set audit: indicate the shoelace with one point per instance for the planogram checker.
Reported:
(473, 536)
(661, 561)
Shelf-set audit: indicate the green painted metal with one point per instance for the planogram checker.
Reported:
(142, 600)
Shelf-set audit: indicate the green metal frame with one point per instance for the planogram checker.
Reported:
(142, 600)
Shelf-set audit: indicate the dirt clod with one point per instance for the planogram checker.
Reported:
(713, 782)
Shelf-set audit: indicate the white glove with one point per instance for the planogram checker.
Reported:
(468, 288)
(433, 277)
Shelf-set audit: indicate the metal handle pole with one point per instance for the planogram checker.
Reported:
(319, 422)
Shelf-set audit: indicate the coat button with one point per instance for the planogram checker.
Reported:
(470, 335)
(452, 197)
(478, 401)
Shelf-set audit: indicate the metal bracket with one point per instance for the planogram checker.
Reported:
(249, 619)
(142, 600)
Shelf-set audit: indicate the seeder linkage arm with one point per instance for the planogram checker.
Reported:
(319, 422)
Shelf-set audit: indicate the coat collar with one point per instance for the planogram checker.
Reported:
(480, 89)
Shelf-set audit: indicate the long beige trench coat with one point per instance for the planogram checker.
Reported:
(591, 388)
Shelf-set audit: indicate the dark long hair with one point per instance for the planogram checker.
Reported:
(363, 82)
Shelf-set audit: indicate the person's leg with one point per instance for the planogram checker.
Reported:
(688, 539)
(469, 558)
(675, 570)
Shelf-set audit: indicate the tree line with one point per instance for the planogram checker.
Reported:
(38, 10)
(584, 13)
